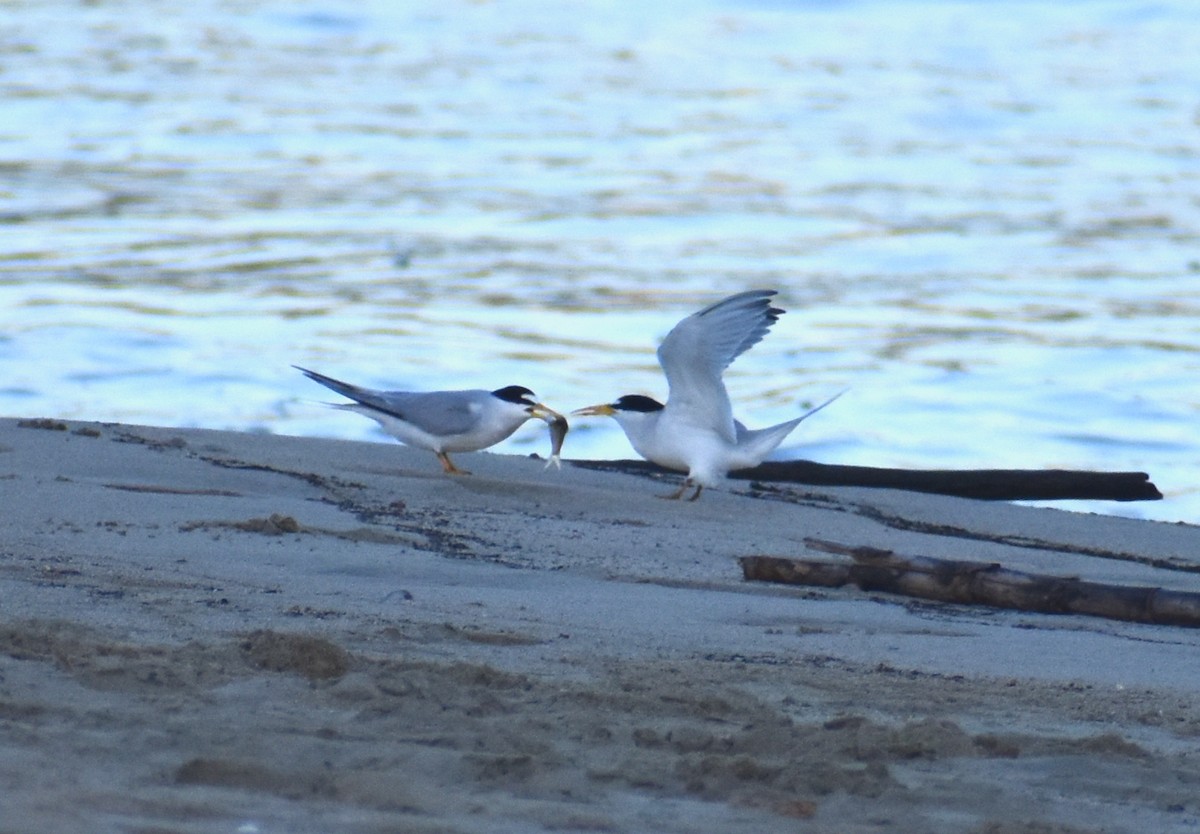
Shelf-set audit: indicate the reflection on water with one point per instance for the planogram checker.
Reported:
(982, 217)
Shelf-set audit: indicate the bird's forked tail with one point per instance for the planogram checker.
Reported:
(759, 443)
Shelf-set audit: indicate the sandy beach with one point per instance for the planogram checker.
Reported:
(217, 632)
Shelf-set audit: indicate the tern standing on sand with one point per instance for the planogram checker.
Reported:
(446, 421)
(695, 431)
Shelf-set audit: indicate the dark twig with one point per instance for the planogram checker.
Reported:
(987, 484)
(976, 583)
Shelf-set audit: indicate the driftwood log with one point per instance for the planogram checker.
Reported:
(976, 583)
(987, 484)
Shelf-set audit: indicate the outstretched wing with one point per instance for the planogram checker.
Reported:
(699, 349)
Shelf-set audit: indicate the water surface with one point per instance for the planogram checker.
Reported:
(981, 216)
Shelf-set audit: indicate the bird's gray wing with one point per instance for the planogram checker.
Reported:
(365, 396)
(699, 349)
(439, 413)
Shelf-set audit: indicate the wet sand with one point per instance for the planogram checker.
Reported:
(217, 632)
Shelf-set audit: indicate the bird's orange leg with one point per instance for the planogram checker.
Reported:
(677, 494)
(448, 465)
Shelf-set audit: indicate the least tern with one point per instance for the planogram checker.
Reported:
(695, 431)
(447, 421)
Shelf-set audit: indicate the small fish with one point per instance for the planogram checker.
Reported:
(558, 433)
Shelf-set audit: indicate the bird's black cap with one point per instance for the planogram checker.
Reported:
(636, 402)
(515, 394)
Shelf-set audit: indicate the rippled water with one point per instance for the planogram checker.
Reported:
(983, 217)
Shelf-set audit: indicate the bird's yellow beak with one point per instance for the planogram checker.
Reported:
(545, 412)
(602, 410)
